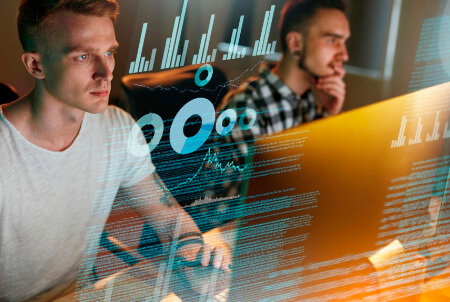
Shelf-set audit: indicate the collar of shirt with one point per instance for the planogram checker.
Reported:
(265, 70)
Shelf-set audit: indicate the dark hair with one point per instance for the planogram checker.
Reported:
(34, 21)
(296, 14)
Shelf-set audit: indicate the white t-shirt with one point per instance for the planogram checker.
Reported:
(49, 199)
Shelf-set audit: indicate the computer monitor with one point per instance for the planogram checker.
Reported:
(341, 209)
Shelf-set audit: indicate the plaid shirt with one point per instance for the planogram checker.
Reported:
(278, 108)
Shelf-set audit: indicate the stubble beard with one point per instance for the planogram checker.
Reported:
(301, 63)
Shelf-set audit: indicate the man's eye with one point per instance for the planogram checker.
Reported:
(109, 53)
(332, 40)
(83, 57)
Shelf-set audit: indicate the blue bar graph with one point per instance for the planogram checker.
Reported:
(135, 66)
(244, 52)
(274, 43)
(152, 59)
(269, 25)
(141, 45)
(263, 32)
(255, 49)
(238, 35)
(163, 65)
(171, 56)
(213, 57)
(172, 41)
(233, 39)
(180, 28)
(141, 67)
(211, 22)
(261, 47)
(200, 50)
(185, 48)
(202, 56)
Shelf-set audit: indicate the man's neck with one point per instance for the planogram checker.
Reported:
(45, 121)
(298, 80)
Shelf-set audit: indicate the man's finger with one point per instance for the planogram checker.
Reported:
(217, 256)
(226, 263)
(332, 86)
(333, 79)
(206, 254)
(335, 93)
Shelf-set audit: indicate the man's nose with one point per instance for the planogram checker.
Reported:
(343, 54)
(103, 71)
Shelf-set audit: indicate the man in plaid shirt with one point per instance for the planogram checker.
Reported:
(305, 85)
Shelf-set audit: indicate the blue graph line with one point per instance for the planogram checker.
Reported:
(211, 159)
(229, 83)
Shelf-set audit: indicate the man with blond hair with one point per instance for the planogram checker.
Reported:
(64, 156)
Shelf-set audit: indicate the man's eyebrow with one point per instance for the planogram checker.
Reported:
(88, 49)
(114, 47)
(334, 35)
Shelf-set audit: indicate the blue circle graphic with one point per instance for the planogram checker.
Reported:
(201, 83)
(140, 150)
(185, 145)
(229, 113)
(248, 112)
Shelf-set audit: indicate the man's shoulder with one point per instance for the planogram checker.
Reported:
(114, 116)
(249, 91)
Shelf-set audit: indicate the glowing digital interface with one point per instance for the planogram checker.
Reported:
(171, 58)
(348, 208)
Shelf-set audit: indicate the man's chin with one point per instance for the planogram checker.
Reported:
(98, 108)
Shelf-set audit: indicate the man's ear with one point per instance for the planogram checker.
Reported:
(32, 62)
(294, 42)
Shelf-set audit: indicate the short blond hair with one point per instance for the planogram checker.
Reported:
(34, 21)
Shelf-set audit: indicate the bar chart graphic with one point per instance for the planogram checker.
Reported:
(140, 65)
(261, 47)
(424, 125)
(446, 131)
(233, 51)
(202, 56)
(434, 135)
(401, 135)
(172, 57)
(417, 139)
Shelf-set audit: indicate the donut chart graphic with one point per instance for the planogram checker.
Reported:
(230, 114)
(179, 141)
(248, 112)
(140, 150)
(199, 82)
